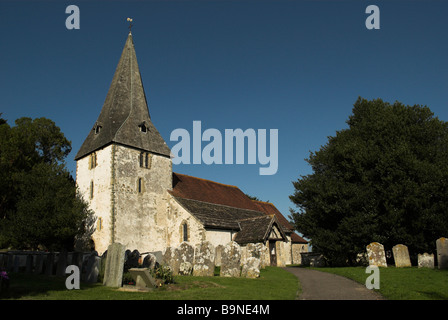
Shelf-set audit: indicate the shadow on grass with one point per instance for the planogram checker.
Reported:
(433, 295)
(27, 286)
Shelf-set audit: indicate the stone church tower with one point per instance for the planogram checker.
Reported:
(124, 169)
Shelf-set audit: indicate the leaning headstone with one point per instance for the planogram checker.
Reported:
(131, 259)
(150, 261)
(401, 256)
(159, 256)
(231, 260)
(426, 260)
(113, 272)
(92, 269)
(376, 255)
(143, 278)
(251, 269)
(184, 258)
(204, 259)
(442, 253)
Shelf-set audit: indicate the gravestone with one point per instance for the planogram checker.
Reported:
(29, 263)
(184, 258)
(62, 263)
(49, 263)
(10, 262)
(169, 258)
(376, 255)
(218, 254)
(401, 256)
(231, 260)
(131, 259)
(442, 253)
(204, 259)
(150, 261)
(265, 259)
(143, 278)
(113, 272)
(16, 263)
(39, 263)
(426, 260)
(251, 269)
(77, 259)
(92, 269)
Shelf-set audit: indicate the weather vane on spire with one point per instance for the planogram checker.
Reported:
(130, 24)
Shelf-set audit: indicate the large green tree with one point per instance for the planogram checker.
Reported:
(383, 179)
(39, 202)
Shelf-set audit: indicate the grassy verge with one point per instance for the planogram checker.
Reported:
(273, 284)
(402, 283)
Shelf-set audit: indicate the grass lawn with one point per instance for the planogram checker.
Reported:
(273, 284)
(402, 283)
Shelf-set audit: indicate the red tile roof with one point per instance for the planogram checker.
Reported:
(270, 209)
(193, 188)
(189, 187)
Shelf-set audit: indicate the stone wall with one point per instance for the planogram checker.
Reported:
(126, 197)
(140, 215)
(100, 203)
(296, 252)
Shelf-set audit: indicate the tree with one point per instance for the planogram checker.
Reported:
(39, 202)
(383, 179)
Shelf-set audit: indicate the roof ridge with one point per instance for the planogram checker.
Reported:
(266, 202)
(217, 204)
(223, 184)
(258, 217)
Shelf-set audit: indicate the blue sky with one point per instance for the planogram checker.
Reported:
(296, 66)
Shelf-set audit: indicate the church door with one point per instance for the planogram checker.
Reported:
(273, 253)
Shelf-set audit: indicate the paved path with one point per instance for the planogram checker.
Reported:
(318, 285)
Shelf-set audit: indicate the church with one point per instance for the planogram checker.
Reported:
(124, 171)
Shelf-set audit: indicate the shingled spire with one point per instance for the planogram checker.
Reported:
(124, 118)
